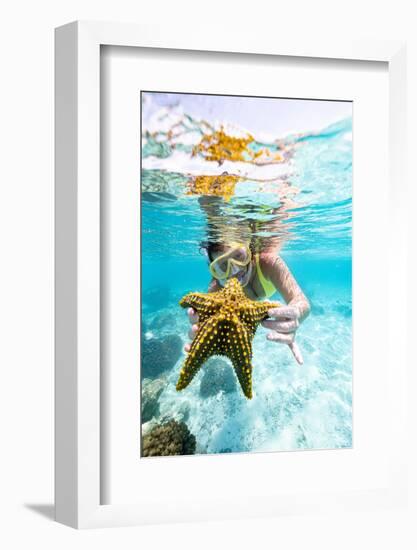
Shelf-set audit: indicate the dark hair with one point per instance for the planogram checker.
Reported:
(211, 247)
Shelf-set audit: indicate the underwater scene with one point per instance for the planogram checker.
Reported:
(246, 274)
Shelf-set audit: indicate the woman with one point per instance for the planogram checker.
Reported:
(261, 275)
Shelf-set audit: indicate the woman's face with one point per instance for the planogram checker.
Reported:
(226, 255)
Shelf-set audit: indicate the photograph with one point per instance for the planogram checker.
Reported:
(246, 273)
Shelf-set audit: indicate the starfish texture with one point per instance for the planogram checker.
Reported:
(227, 322)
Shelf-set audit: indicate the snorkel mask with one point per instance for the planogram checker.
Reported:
(231, 262)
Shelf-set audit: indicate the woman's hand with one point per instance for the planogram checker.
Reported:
(283, 324)
(193, 318)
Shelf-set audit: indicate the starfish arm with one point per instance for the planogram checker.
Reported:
(271, 305)
(204, 345)
(205, 305)
(262, 312)
(257, 313)
(240, 354)
(193, 299)
(235, 343)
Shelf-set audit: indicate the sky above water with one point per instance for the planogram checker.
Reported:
(269, 117)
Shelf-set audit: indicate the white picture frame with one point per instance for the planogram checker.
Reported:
(77, 242)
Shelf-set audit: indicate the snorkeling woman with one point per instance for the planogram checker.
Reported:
(261, 274)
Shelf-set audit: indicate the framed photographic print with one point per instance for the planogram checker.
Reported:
(228, 275)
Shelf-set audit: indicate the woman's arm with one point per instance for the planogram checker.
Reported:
(277, 271)
(283, 322)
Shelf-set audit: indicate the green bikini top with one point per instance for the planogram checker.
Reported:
(268, 286)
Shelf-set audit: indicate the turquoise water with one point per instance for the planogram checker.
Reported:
(293, 407)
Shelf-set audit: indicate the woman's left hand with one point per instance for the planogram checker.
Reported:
(283, 323)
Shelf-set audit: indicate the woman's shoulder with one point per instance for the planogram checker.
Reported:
(270, 262)
(268, 259)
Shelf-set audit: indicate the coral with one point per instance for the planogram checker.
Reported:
(160, 354)
(151, 390)
(182, 413)
(165, 320)
(227, 324)
(169, 438)
(218, 376)
(156, 297)
(148, 426)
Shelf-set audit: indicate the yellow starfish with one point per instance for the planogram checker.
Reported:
(227, 324)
